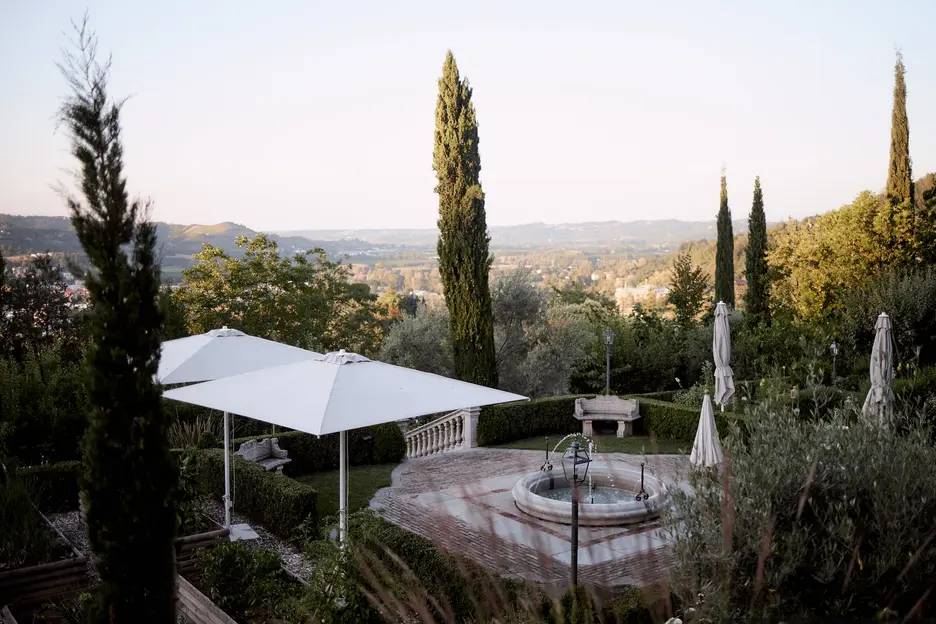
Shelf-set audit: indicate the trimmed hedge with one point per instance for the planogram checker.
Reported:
(282, 505)
(380, 444)
(507, 422)
(55, 486)
(499, 424)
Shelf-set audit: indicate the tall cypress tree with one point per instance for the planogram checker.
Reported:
(128, 478)
(755, 259)
(724, 251)
(464, 260)
(899, 171)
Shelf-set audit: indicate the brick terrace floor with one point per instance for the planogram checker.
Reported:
(462, 501)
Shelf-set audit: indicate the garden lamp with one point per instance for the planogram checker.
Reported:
(575, 463)
(608, 340)
(834, 350)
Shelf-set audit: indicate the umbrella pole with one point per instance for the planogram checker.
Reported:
(227, 471)
(343, 486)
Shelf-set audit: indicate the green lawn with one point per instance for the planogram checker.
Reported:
(363, 482)
(610, 443)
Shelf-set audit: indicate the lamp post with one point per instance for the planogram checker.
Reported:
(833, 349)
(608, 340)
(572, 459)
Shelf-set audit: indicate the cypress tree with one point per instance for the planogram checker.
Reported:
(464, 260)
(755, 260)
(899, 171)
(128, 478)
(724, 251)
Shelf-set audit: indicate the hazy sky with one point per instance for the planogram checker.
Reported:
(288, 115)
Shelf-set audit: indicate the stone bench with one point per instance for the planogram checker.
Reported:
(608, 408)
(264, 452)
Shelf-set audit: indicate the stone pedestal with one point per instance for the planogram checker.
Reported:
(587, 428)
(625, 428)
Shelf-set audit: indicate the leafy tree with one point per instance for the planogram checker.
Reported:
(304, 300)
(128, 480)
(36, 313)
(724, 253)
(464, 260)
(689, 286)
(421, 341)
(517, 305)
(757, 295)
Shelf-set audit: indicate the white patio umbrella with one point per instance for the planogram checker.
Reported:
(222, 353)
(706, 450)
(879, 404)
(721, 352)
(335, 393)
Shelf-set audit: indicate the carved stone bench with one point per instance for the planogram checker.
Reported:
(609, 408)
(264, 452)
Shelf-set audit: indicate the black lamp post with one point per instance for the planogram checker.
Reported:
(834, 349)
(608, 340)
(575, 463)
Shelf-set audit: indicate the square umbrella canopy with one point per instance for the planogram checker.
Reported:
(878, 407)
(222, 353)
(721, 353)
(706, 449)
(335, 393)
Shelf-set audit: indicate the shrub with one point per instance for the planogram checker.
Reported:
(829, 519)
(380, 444)
(279, 503)
(55, 486)
(675, 422)
(25, 538)
(498, 424)
(245, 582)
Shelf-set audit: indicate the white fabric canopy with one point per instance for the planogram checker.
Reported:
(222, 353)
(721, 352)
(337, 392)
(706, 450)
(879, 404)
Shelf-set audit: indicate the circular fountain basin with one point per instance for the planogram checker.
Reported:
(547, 495)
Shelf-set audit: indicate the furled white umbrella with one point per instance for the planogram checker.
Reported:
(335, 393)
(721, 352)
(879, 404)
(222, 353)
(706, 450)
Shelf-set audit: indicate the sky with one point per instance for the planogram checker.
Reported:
(308, 115)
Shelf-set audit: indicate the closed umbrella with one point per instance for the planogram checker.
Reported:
(222, 353)
(721, 352)
(879, 404)
(706, 450)
(335, 393)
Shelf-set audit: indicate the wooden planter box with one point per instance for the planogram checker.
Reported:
(34, 585)
(186, 547)
(197, 607)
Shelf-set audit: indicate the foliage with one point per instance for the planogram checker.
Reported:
(246, 582)
(43, 407)
(514, 421)
(304, 300)
(129, 477)
(824, 519)
(694, 394)
(279, 503)
(724, 253)
(200, 431)
(689, 286)
(895, 222)
(54, 487)
(377, 444)
(757, 295)
(421, 341)
(671, 421)
(34, 313)
(464, 261)
(25, 538)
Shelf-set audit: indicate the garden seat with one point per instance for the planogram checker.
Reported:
(264, 452)
(622, 411)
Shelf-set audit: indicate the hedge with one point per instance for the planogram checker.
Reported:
(282, 505)
(507, 422)
(55, 486)
(499, 424)
(380, 444)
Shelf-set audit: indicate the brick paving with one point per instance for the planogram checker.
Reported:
(462, 502)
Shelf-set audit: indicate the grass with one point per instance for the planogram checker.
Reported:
(363, 483)
(610, 443)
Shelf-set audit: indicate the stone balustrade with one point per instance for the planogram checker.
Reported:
(455, 430)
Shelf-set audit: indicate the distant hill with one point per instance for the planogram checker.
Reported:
(646, 234)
